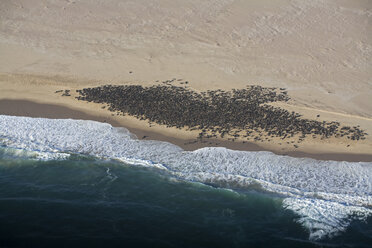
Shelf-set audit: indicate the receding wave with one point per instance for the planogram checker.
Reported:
(326, 195)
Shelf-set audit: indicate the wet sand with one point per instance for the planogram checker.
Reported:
(53, 111)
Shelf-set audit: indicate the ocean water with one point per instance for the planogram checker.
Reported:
(73, 183)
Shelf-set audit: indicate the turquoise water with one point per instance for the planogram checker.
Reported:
(88, 202)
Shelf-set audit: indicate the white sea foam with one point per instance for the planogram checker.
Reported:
(327, 195)
(325, 218)
(38, 155)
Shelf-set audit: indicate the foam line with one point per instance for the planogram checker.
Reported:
(326, 195)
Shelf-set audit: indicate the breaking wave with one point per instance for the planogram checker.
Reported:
(326, 195)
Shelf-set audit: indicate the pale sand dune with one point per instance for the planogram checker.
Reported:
(319, 50)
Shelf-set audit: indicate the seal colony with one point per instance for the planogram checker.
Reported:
(243, 113)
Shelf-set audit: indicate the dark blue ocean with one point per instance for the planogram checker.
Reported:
(87, 202)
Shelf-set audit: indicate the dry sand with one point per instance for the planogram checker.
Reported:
(319, 50)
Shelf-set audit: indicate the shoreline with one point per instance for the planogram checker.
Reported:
(54, 111)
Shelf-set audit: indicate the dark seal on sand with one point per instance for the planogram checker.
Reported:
(237, 113)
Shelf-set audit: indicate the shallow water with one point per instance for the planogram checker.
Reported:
(82, 183)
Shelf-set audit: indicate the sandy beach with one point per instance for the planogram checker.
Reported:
(55, 45)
